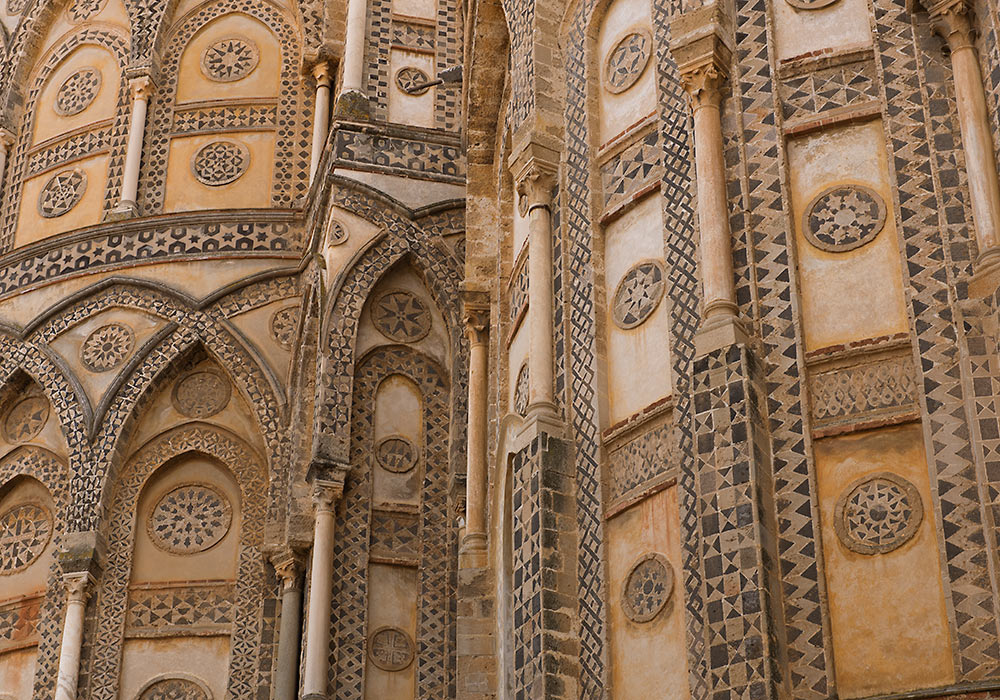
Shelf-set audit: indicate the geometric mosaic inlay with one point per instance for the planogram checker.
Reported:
(189, 519)
(107, 347)
(391, 649)
(174, 689)
(396, 454)
(647, 587)
(843, 218)
(284, 322)
(878, 513)
(24, 532)
(202, 393)
(638, 294)
(229, 59)
(220, 162)
(77, 92)
(61, 193)
(82, 10)
(410, 79)
(26, 419)
(627, 61)
(401, 316)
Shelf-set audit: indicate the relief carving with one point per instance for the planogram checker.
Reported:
(878, 513)
(230, 59)
(648, 587)
(189, 519)
(627, 61)
(25, 531)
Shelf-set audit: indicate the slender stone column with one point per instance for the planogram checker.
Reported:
(351, 100)
(288, 566)
(77, 591)
(477, 325)
(325, 496)
(142, 88)
(952, 19)
(703, 56)
(321, 120)
(6, 141)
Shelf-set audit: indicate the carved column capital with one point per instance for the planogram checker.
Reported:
(476, 314)
(289, 565)
(700, 44)
(6, 138)
(142, 87)
(952, 20)
(534, 164)
(78, 586)
(322, 74)
(325, 494)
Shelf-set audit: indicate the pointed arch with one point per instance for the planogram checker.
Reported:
(349, 292)
(250, 472)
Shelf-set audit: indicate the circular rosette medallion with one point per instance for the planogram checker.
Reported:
(401, 316)
(230, 59)
(410, 79)
(284, 322)
(521, 388)
(189, 519)
(62, 192)
(220, 163)
(810, 4)
(77, 92)
(24, 532)
(878, 513)
(396, 454)
(201, 393)
(26, 419)
(843, 218)
(107, 347)
(336, 233)
(638, 294)
(174, 689)
(627, 61)
(647, 588)
(390, 648)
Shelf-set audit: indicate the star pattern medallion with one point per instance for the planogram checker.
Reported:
(401, 316)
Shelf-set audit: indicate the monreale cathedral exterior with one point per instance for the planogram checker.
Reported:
(499, 350)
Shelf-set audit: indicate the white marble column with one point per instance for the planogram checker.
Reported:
(77, 591)
(141, 88)
(952, 19)
(317, 657)
(352, 74)
(477, 325)
(288, 566)
(321, 117)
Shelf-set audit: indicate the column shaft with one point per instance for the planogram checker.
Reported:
(713, 212)
(477, 322)
(352, 79)
(141, 90)
(289, 569)
(72, 638)
(320, 599)
(321, 121)
(984, 188)
(541, 329)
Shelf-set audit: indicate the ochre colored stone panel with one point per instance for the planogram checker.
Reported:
(263, 81)
(32, 226)
(203, 658)
(648, 659)
(252, 189)
(414, 109)
(889, 623)
(620, 109)
(392, 602)
(858, 294)
(838, 25)
(103, 100)
(638, 358)
(17, 672)
(398, 416)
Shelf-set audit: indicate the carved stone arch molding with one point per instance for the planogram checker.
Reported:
(188, 327)
(51, 472)
(430, 538)
(107, 36)
(250, 472)
(290, 171)
(335, 371)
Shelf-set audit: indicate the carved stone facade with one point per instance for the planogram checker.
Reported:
(499, 350)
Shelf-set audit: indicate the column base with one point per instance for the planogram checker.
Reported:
(986, 274)
(315, 696)
(472, 554)
(125, 210)
(719, 332)
(352, 106)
